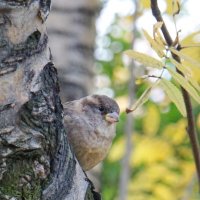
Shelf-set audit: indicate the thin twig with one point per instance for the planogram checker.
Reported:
(190, 118)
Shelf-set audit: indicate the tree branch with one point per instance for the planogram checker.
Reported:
(191, 126)
(125, 171)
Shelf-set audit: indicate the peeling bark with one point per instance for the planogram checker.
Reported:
(35, 158)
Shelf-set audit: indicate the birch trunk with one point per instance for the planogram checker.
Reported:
(35, 159)
(71, 29)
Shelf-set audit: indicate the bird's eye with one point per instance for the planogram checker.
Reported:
(101, 108)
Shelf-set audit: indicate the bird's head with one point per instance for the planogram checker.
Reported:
(103, 106)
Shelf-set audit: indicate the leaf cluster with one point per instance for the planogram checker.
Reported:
(171, 88)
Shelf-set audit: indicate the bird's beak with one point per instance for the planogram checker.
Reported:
(112, 117)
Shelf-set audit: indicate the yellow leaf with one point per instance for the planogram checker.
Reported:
(190, 39)
(144, 59)
(117, 150)
(176, 4)
(185, 84)
(173, 7)
(192, 53)
(145, 4)
(176, 132)
(151, 121)
(159, 39)
(174, 94)
(159, 150)
(190, 45)
(156, 27)
(194, 83)
(121, 75)
(185, 57)
(139, 81)
(156, 33)
(122, 102)
(158, 48)
(163, 192)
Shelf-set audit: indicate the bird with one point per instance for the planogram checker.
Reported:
(91, 126)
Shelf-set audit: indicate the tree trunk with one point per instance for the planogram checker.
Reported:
(71, 29)
(35, 159)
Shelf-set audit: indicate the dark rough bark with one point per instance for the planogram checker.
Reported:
(35, 158)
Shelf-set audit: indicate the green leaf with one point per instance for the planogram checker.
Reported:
(174, 94)
(187, 72)
(144, 59)
(185, 57)
(155, 46)
(185, 84)
(194, 83)
(143, 98)
(190, 45)
(180, 67)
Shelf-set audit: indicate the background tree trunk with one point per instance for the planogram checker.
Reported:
(35, 158)
(71, 29)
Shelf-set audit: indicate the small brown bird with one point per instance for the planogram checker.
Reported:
(90, 123)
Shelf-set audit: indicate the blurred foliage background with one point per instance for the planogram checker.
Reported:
(161, 162)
